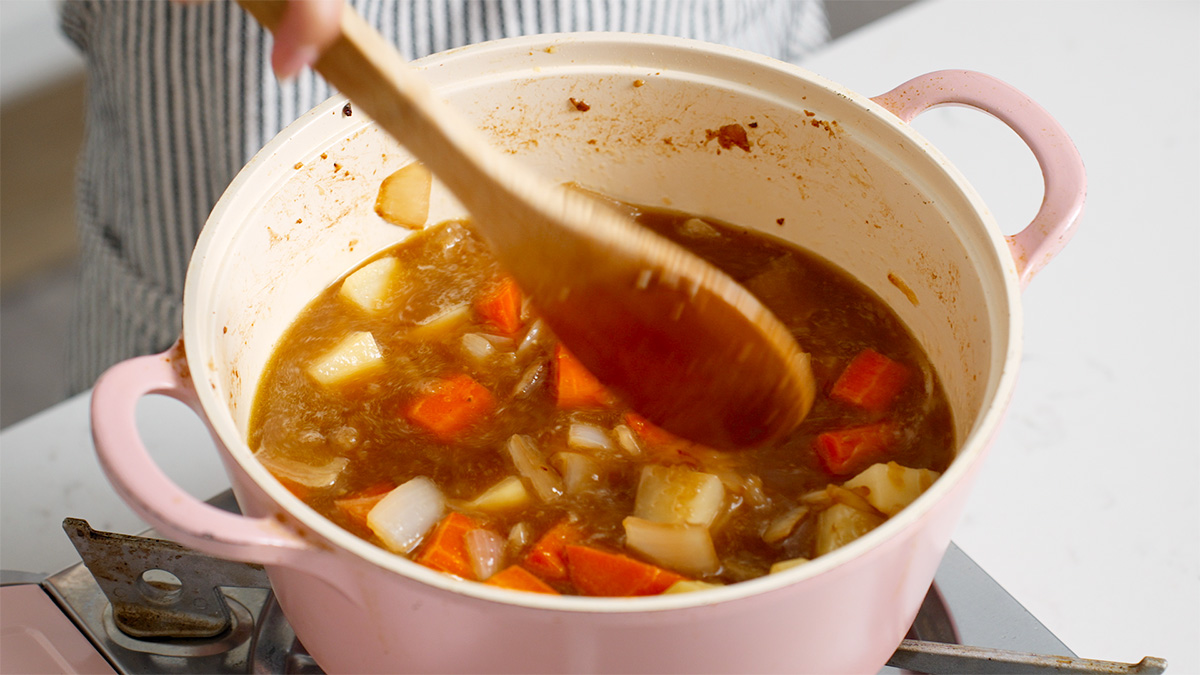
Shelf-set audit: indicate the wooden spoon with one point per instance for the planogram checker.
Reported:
(677, 339)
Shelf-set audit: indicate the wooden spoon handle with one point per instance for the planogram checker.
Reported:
(682, 342)
(515, 209)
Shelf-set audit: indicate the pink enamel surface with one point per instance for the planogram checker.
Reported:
(152, 494)
(1059, 159)
(359, 609)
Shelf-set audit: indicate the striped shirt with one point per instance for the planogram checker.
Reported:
(181, 96)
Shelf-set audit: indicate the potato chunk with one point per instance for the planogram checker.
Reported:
(891, 487)
(353, 357)
(676, 494)
(839, 525)
(508, 494)
(687, 549)
(370, 287)
(404, 196)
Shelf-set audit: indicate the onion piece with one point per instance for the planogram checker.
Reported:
(405, 515)
(547, 484)
(519, 536)
(588, 437)
(486, 550)
(698, 229)
(579, 472)
(477, 346)
(851, 498)
(627, 439)
(293, 471)
(532, 338)
(782, 526)
(530, 380)
(504, 344)
(687, 549)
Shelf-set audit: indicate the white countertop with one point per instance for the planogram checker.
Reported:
(1087, 510)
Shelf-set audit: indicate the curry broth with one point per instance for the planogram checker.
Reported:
(360, 423)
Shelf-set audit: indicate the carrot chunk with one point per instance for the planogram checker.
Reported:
(450, 406)
(500, 306)
(358, 505)
(446, 550)
(870, 381)
(574, 385)
(518, 578)
(596, 572)
(845, 450)
(548, 557)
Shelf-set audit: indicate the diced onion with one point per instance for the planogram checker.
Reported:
(696, 228)
(547, 484)
(588, 437)
(309, 476)
(405, 515)
(486, 549)
(687, 549)
(530, 380)
(627, 439)
(504, 344)
(532, 337)
(851, 498)
(782, 526)
(519, 536)
(579, 472)
(477, 346)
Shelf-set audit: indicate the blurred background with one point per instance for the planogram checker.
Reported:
(42, 83)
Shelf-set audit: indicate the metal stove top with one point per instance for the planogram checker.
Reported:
(152, 606)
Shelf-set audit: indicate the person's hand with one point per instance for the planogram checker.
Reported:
(307, 29)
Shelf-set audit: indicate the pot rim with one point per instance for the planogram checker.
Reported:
(971, 449)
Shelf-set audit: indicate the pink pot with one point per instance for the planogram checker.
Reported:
(836, 172)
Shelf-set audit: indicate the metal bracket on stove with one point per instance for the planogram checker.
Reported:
(935, 658)
(158, 588)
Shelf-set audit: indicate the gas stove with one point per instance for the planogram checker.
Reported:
(140, 604)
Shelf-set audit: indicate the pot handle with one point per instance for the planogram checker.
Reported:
(154, 496)
(1061, 165)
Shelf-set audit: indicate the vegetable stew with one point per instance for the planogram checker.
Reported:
(421, 404)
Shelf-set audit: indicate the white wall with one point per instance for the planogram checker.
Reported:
(33, 51)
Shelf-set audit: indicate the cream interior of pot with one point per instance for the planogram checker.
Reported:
(820, 167)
